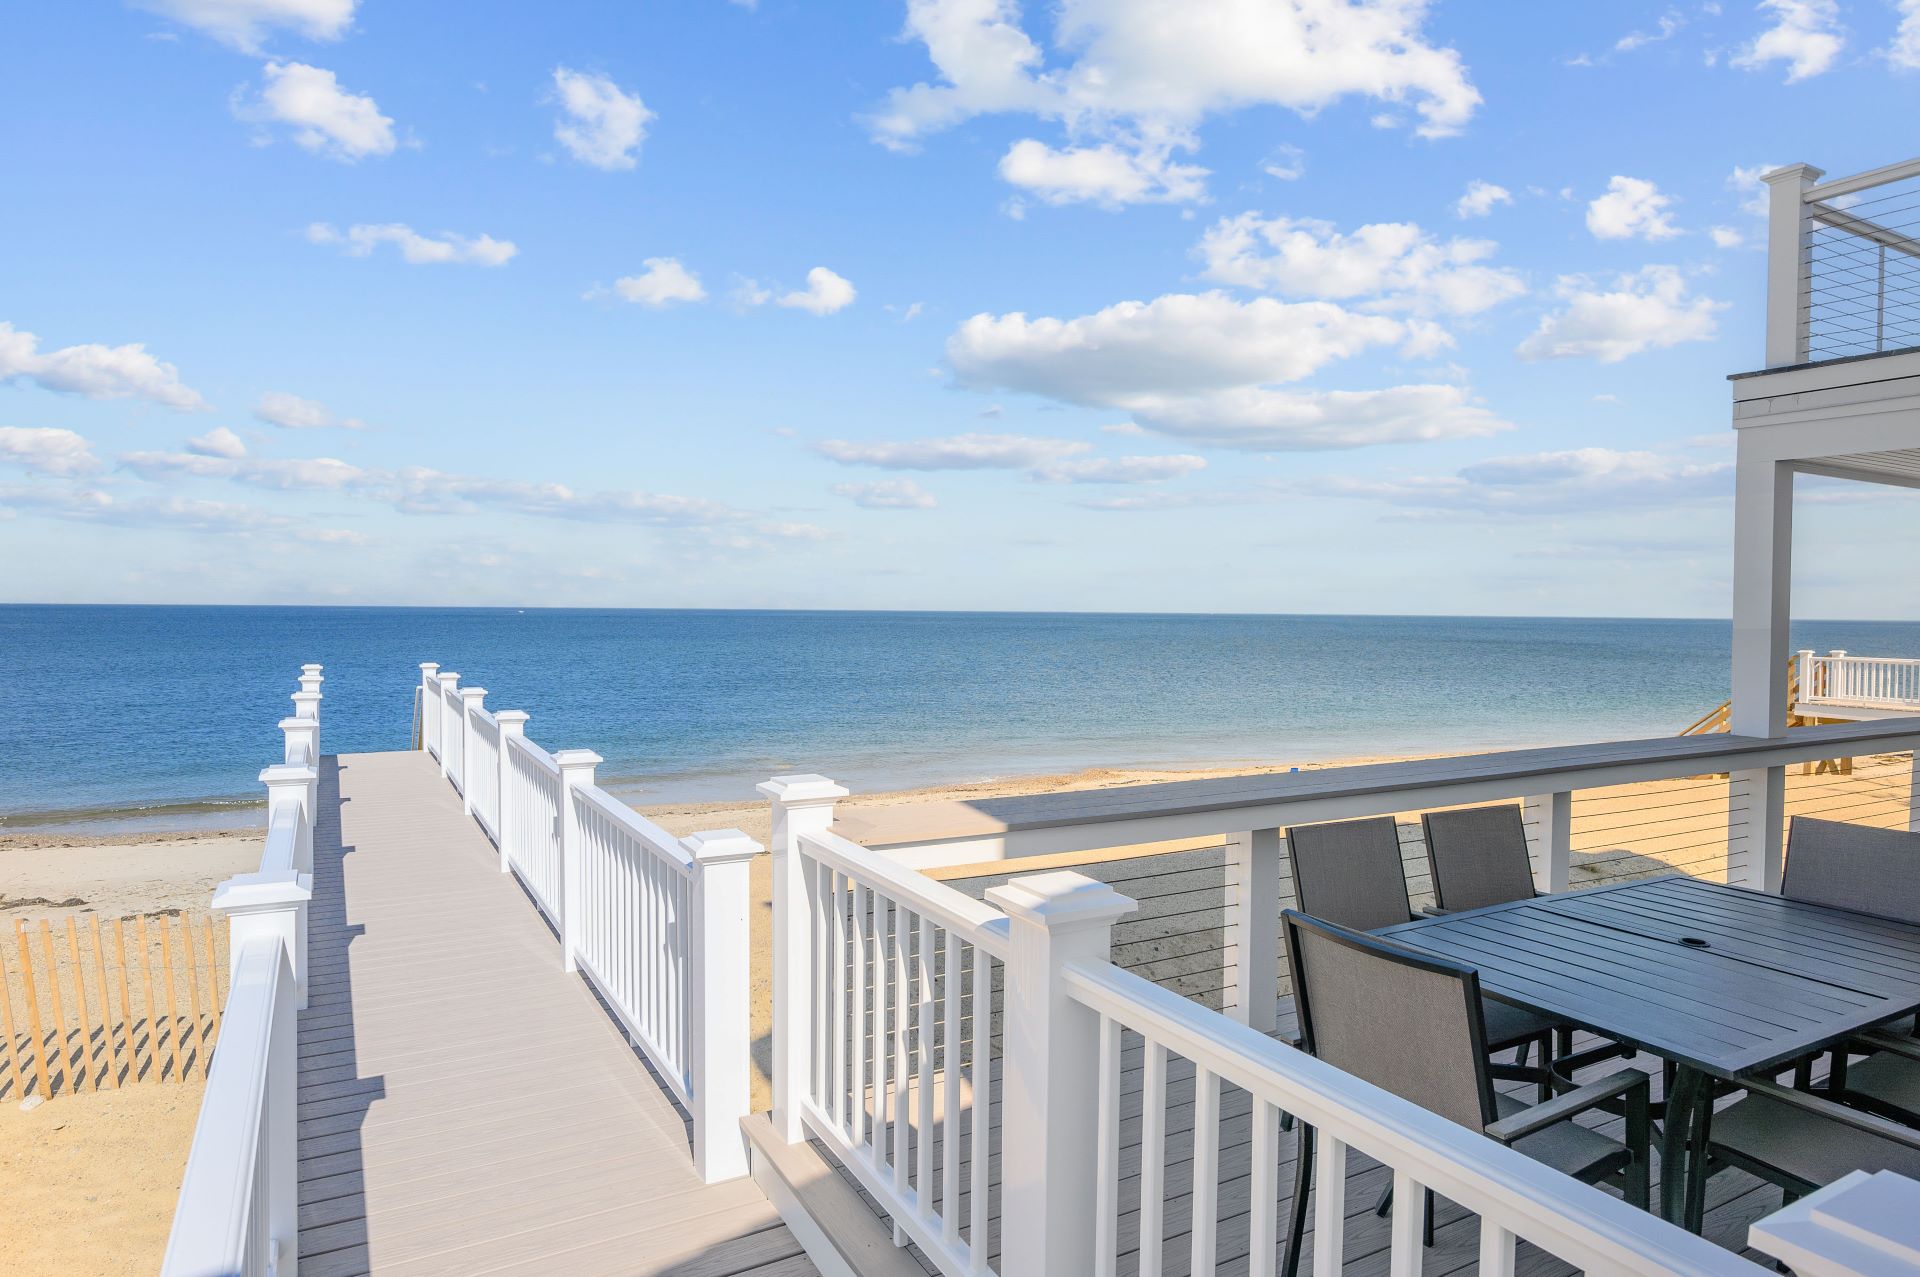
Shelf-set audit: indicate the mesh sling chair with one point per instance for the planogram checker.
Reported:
(1478, 857)
(1411, 1024)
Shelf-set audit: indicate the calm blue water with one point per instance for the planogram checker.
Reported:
(170, 710)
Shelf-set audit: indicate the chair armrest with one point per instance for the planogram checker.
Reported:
(1893, 1043)
(1866, 1123)
(1433, 911)
(1562, 1107)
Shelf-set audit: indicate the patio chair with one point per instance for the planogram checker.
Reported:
(1478, 857)
(1412, 1024)
(1350, 873)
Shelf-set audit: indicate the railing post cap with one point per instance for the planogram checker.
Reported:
(430, 666)
(505, 717)
(804, 789)
(261, 892)
(448, 676)
(1060, 899)
(288, 773)
(1801, 172)
(295, 721)
(574, 758)
(720, 846)
(473, 692)
(306, 698)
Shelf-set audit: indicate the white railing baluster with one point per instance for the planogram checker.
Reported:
(1106, 1155)
(1329, 1205)
(1264, 1194)
(837, 973)
(923, 1075)
(1496, 1250)
(1153, 1160)
(1206, 1168)
(950, 1133)
(1409, 1211)
(979, 1166)
(857, 1133)
(902, 1081)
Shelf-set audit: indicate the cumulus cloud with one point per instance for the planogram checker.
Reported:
(94, 371)
(1645, 310)
(49, 451)
(663, 282)
(1745, 181)
(1106, 174)
(887, 494)
(1670, 23)
(1141, 76)
(1805, 35)
(1120, 469)
(825, 293)
(1480, 199)
(291, 412)
(416, 249)
(244, 23)
(218, 442)
(1392, 265)
(1631, 208)
(324, 118)
(1206, 367)
(1904, 52)
(956, 452)
(600, 123)
(1726, 236)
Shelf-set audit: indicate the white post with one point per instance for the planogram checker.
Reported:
(292, 788)
(306, 705)
(1549, 821)
(448, 682)
(1787, 234)
(1913, 792)
(302, 741)
(310, 679)
(268, 904)
(801, 804)
(1861, 1225)
(1253, 868)
(1803, 674)
(513, 726)
(429, 684)
(470, 699)
(1762, 581)
(576, 772)
(1840, 675)
(719, 990)
(1049, 1107)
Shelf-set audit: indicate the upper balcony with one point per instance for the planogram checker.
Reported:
(1843, 271)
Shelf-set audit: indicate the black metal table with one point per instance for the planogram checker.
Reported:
(1721, 981)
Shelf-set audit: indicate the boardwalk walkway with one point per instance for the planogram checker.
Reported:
(465, 1105)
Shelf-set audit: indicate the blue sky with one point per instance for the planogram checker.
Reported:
(1303, 305)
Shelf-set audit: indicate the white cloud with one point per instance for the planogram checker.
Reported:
(1745, 181)
(1670, 22)
(415, 248)
(956, 452)
(1646, 310)
(1726, 236)
(1142, 75)
(1904, 52)
(664, 282)
(291, 412)
(1480, 199)
(887, 494)
(1632, 207)
(243, 23)
(88, 505)
(602, 124)
(1286, 162)
(218, 442)
(49, 451)
(325, 118)
(1396, 265)
(1805, 35)
(1107, 175)
(95, 371)
(1582, 480)
(1120, 469)
(1204, 367)
(825, 293)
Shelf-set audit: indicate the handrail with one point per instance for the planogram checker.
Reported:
(235, 1214)
(981, 923)
(281, 851)
(664, 846)
(1509, 1190)
(536, 754)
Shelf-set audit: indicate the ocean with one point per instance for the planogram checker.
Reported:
(128, 717)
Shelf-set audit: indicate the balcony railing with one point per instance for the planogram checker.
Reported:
(1844, 268)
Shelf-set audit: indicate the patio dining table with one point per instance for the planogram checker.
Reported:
(1724, 982)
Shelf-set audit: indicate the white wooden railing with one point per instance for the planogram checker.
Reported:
(236, 1213)
(657, 924)
(1888, 682)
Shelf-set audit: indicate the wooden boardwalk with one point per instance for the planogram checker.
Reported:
(466, 1106)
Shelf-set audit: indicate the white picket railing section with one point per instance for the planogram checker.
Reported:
(657, 924)
(1875, 681)
(900, 1017)
(432, 708)
(237, 1210)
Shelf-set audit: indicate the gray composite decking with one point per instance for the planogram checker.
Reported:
(465, 1105)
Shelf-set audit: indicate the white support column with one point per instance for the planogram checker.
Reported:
(576, 772)
(801, 804)
(302, 741)
(1253, 868)
(1549, 821)
(307, 705)
(1802, 675)
(513, 726)
(1762, 587)
(272, 904)
(290, 789)
(1049, 1107)
(1756, 826)
(471, 699)
(310, 679)
(429, 684)
(448, 682)
(1840, 681)
(719, 990)
(1787, 238)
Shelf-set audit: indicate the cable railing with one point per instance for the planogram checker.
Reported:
(1862, 266)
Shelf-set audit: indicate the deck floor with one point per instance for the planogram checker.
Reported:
(465, 1105)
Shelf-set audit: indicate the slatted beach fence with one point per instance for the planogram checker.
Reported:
(94, 1004)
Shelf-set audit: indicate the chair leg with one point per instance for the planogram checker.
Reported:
(1302, 1185)
(1803, 1074)
(1426, 1221)
(1286, 1121)
(1545, 1088)
(1520, 1054)
(1385, 1204)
